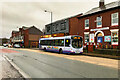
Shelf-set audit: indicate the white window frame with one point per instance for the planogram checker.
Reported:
(91, 36)
(84, 36)
(86, 27)
(99, 21)
(114, 30)
(113, 24)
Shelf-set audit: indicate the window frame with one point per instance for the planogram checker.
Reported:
(62, 26)
(86, 33)
(113, 31)
(113, 24)
(97, 21)
(86, 27)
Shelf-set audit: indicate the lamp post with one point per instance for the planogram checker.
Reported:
(51, 19)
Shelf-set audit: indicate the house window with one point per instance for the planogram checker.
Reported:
(57, 27)
(87, 24)
(99, 21)
(48, 29)
(53, 28)
(114, 38)
(86, 37)
(62, 26)
(114, 34)
(114, 19)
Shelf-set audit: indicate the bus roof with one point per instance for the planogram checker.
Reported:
(63, 37)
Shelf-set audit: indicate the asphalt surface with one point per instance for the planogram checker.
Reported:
(38, 65)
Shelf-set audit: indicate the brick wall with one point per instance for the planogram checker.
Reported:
(74, 28)
(34, 37)
(26, 38)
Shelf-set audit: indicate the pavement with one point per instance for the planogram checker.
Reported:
(102, 55)
(40, 64)
(1, 66)
(6, 69)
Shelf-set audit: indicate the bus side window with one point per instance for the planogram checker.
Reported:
(62, 42)
(48, 42)
(52, 42)
(67, 42)
(42, 42)
(45, 42)
(56, 42)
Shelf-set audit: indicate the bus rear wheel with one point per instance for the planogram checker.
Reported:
(60, 51)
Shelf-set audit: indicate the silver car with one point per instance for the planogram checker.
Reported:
(16, 46)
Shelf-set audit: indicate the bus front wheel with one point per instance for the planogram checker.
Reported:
(44, 48)
(60, 51)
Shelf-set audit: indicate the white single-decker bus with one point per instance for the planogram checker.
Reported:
(65, 44)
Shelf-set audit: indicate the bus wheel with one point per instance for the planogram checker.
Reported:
(60, 51)
(44, 48)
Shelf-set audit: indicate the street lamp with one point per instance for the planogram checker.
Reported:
(51, 19)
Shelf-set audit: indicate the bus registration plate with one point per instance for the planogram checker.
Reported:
(77, 51)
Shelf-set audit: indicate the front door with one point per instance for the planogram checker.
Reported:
(99, 39)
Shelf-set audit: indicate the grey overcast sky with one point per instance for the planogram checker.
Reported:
(18, 13)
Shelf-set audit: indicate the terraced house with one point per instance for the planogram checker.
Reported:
(26, 36)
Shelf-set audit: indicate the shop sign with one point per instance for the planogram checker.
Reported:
(105, 28)
(92, 38)
(107, 38)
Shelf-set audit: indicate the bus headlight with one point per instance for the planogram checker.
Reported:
(72, 50)
(81, 50)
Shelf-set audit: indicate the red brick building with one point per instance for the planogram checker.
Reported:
(26, 36)
(101, 26)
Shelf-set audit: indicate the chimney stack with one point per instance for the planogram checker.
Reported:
(101, 3)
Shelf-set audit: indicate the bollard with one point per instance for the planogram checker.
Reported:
(87, 48)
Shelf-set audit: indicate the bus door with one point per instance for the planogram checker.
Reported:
(67, 44)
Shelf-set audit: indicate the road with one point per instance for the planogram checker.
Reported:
(39, 65)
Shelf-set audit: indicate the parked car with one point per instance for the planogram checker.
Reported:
(5, 45)
(16, 46)
(9, 45)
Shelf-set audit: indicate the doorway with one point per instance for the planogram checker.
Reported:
(99, 38)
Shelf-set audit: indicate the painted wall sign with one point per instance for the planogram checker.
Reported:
(107, 38)
(105, 28)
(92, 38)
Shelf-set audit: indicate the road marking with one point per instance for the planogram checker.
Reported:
(8, 51)
(88, 59)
